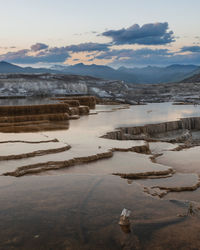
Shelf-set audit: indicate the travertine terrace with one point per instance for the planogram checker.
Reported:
(79, 172)
(45, 116)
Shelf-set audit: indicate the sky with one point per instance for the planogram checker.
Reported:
(131, 33)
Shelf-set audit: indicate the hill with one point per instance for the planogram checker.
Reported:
(99, 71)
(7, 68)
(193, 79)
(172, 73)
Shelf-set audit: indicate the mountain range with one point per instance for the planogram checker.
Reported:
(8, 68)
(149, 74)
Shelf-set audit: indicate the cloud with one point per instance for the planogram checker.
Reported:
(52, 55)
(148, 34)
(129, 53)
(46, 54)
(193, 49)
(146, 56)
(88, 47)
(117, 55)
(39, 46)
(11, 56)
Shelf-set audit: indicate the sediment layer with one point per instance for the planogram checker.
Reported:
(162, 191)
(35, 127)
(89, 101)
(54, 165)
(145, 175)
(179, 189)
(144, 149)
(72, 103)
(34, 109)
(31, 142)
(32, 118)
(35, 153)
(42, 117)
(82, 110)
(151, 132)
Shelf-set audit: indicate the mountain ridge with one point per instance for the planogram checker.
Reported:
(146, 75)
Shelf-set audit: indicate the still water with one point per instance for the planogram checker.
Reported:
(79, 207)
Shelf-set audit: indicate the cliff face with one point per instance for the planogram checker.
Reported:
(62, 85)
(26, 85)
(43, 84)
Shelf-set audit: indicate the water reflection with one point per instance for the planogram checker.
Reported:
(78, 212)
(81, 211)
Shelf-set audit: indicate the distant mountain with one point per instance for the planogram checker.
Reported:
(193, 79)
(6, 68)
(172, 73)
(150, 74)
(99, 71)
(10, 68)
(197, 71)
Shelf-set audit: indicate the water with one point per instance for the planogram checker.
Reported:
(185, 161)
(82, 212)
(79, 207)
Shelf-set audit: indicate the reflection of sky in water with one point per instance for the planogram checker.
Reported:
(82, 212)
(185, 161)
(155, 113)
(97, 125)
(85, 132)
(73, 211)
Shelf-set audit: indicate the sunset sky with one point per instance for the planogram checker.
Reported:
(114, 32)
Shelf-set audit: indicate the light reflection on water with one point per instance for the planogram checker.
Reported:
(185, 161)
(81, 211)
(89, 128)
